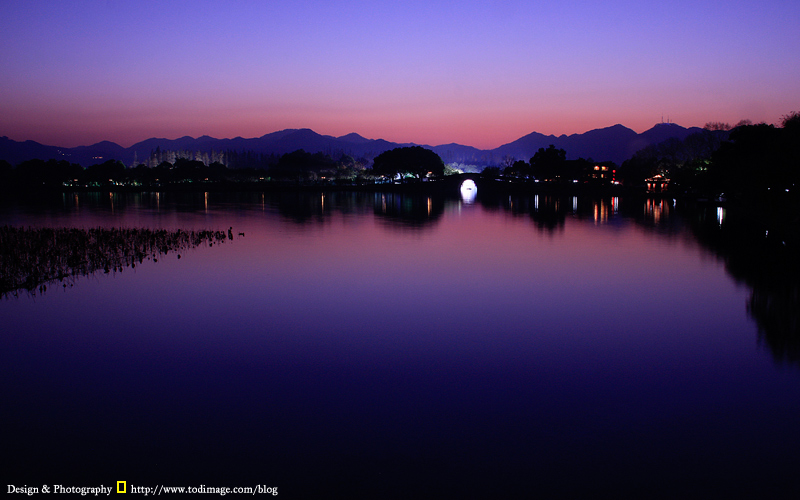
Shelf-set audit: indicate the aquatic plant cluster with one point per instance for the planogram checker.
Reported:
(33, 258)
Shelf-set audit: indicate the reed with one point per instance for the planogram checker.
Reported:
(33, 258)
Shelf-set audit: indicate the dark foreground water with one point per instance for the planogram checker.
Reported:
(360, 345)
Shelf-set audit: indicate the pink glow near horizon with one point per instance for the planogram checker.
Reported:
(475, 73)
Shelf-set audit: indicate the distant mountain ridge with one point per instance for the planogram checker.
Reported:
(616, 143)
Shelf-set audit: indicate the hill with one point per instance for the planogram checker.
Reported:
(616, 143)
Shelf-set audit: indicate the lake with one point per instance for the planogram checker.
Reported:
(389, 345)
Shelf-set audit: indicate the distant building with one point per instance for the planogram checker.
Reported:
(603, 174)
(657, 184)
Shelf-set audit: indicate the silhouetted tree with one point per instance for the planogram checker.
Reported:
(548, 163)
(50, 173)
(685, 162)
(300, 165)
(762, 163)
(518, 169)
(189, 170)
(747, 161)
(716, 126)
(111, 170)
(490, 171)
(791, 121)
(507, 161)
(5, 173)
(577, 170)
(415, 161)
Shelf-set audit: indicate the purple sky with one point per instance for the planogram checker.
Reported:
(477, 73)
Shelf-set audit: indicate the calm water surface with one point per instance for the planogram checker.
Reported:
(388, 346)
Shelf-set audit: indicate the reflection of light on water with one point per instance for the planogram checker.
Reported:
(536, 202)
(656, 210)
(574, 203)
(469, 191)
(600, 212)
(615, 204)
(653, 210)
(720, 215)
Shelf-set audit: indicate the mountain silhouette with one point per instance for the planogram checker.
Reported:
(616, 143)
(354, 138)
(15, 152)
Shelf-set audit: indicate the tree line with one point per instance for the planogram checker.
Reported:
(735, 160)
(745, 160)
(298, 166)
(550, 165)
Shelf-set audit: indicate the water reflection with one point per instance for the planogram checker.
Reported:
(34, 259)
(31, 259)
(408, 210)
(344, 351)
(776, 312)
(655, 209)
(773, 302)
(604, 209)
(767, 266)
(317, 207)
(549, 212)
(121, 202)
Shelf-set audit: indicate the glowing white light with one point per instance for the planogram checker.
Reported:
(469, 191)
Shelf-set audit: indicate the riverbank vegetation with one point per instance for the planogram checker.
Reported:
(748, 161)
(31, 259)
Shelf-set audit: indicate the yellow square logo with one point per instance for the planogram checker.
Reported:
(120, 486)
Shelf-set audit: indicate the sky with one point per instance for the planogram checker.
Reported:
(479, 73)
